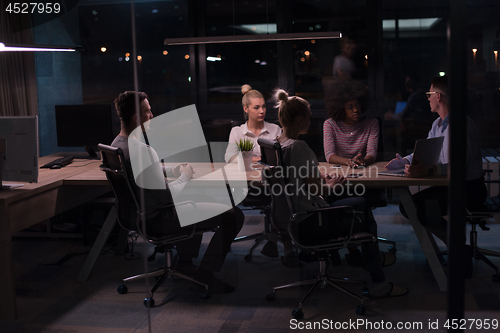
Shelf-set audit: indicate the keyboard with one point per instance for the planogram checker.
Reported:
(58, 163)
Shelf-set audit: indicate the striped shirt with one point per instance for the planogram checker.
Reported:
(350, 140)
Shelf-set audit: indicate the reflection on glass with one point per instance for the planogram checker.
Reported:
(228, 69)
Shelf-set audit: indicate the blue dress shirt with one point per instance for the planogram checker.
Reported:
(474, 161)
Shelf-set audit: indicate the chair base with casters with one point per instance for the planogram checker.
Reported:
(477, 253)
(322, 280)
(392, 248)
(479, 219)
(165, 246)
(259, 237)
(167, 272)
(263, 203)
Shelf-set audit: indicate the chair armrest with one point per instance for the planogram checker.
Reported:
(267, 166)
(325, 209)
(479, 218)
(188, 202)
(340, 242)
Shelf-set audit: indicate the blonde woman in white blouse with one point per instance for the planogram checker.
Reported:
(254, 108)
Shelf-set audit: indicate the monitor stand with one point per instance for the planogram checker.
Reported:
(92, 154)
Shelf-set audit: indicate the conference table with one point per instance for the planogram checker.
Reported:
(205, 174)
(82, 181)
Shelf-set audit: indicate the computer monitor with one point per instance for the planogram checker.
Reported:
(19, 143)
(86, 126)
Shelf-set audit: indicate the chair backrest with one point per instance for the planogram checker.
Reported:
(271, 152)
(282, 210)
(128, 208)
(127, 205)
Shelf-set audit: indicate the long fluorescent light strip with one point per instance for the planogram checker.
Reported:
(252, 38)
(4, 48)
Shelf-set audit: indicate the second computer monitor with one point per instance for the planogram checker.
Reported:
(86, 125)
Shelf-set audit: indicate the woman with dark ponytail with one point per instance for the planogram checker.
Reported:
(294, 114)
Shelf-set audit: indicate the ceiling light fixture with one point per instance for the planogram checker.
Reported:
(252, 38)
(213, 59)
(32, 48)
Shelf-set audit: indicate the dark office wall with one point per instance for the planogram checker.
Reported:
(58, 76)
(172, 81)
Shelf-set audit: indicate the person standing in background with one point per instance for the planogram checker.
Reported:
(343, 64)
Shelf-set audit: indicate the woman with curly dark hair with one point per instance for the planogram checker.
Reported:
(348, 137)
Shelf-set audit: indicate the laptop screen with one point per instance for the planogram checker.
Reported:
(400, 106)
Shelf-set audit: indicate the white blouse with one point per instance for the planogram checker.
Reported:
(269, 131)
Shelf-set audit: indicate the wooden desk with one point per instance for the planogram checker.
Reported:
(25, 206)
(370, 178)
(204, 172)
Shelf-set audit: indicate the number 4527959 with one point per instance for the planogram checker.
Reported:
(33, 7)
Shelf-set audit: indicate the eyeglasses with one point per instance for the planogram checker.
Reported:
(429, 93)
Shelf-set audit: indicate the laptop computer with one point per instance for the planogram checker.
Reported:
(426, 151)
(400, 106)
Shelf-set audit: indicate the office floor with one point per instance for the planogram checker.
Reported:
(49, 299)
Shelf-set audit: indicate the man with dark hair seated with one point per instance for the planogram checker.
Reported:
(229, 222)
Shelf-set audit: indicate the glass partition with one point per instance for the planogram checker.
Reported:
(400, 47)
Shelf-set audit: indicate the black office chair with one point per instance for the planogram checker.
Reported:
(283, 216)
(480, 218)
(258, 201)
(129, 215)
(377, 197)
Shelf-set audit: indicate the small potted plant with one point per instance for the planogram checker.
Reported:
(245, 146)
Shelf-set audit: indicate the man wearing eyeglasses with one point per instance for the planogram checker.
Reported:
(475, 187)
